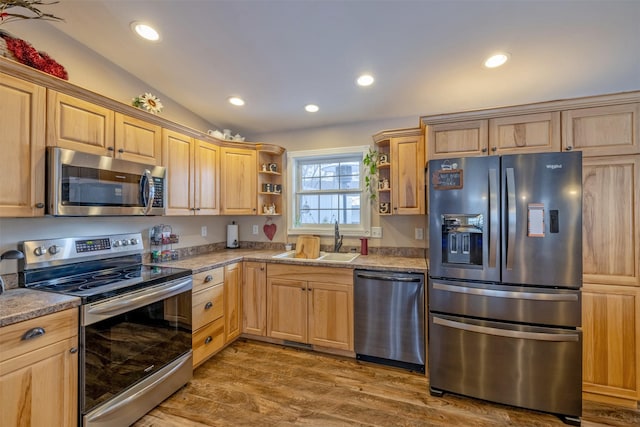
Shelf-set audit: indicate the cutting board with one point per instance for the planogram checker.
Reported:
(308, 247)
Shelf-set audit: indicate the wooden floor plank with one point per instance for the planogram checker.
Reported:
(258, 384)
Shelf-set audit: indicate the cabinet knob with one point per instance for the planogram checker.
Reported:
(569, 148)
(262, 268)
(120, 150)
(208, 278)
(197, 209)
(73, 350)
(39, 205)
(208, 305)
(484, 150)
(494, 149)
(110, 148)
(208, 339)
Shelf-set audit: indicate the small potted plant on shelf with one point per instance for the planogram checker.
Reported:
(370, 162)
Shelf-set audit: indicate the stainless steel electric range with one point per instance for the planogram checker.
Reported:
(135, 321)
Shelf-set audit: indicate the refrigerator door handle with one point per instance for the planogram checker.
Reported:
(539, 336)
(493, 218)
(536, 296)
(511, 213)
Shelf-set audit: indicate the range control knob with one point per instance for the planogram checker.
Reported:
(116, 243)
(134, 241)
(125, 242)
(40, 250)
(54, 249)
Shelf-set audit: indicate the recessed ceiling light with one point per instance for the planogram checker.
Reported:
(235, 100)
(365, 80)
(311, 108)
(496, 60)
(145, 31)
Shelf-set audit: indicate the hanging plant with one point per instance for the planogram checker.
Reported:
(8, 13)
(370, 162)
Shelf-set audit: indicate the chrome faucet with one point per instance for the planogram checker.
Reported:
(337, 239)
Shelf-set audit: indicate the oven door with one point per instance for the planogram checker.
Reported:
(126, 339)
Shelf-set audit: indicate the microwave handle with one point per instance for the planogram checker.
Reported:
(148, 190)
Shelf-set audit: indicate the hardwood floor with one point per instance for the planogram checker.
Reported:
(259, 384)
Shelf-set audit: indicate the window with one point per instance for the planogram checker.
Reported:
(328, 185)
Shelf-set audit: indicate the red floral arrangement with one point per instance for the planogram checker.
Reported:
(28, 55)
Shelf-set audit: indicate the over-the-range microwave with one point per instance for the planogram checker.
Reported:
(82, 184)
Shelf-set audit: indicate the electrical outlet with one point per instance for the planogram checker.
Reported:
(376, 232)
(255, 229)
(419, 233)
(203, 231)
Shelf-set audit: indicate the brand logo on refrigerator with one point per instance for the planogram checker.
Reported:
(554, 167)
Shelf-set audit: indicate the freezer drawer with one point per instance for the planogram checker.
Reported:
(525, 366)
(523, 304)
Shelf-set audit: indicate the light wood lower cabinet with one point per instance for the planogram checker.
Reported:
(311, 305)
(254, 298)
(207, 310)
(611, 328)
(39, 375)
(232, 301)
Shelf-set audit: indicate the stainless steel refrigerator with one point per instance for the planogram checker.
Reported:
(505, 272)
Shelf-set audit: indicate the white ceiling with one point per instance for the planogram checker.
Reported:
(426, 55)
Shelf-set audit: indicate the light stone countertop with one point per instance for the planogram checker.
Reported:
(17, 305)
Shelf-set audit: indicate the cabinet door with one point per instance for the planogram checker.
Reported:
(530, 133)
(407, 180)
(287, 309)
(457, 139)
(232, 301)
(602, 131)
(611, 220)
(239, 180)
(137, 140)
(207, 178)
(79, 125)
(177, 154)
(22, 144)
(331, 315)
(610, 322)
(254, 298)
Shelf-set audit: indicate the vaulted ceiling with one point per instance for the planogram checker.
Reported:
(426, 55)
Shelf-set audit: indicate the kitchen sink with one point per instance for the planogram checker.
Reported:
(324, 256)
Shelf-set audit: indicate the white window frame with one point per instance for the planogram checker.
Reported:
(358, 230)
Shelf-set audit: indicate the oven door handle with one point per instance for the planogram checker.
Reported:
(535, 296)
(538, 336)
(129, 302)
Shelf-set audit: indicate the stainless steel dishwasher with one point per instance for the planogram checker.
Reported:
(389, 312)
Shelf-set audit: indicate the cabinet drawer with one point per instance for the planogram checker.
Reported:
(207, 306)
(207, 340)
(44, 331)
(207, 278)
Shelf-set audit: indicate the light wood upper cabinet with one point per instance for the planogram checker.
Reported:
(312, 305)
(232, 301)
(458, 139)
(610, 325)
(192, 175)
(254, 298)
(530, 133)
(137, 140)
(238, 181)
(38, 376)
(407, 175)
(79, 125)
(610, 220)
(602, 131)
(22, 144)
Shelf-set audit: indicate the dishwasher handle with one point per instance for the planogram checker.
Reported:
(388, 278)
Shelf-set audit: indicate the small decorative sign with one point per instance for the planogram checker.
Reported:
(447, 179)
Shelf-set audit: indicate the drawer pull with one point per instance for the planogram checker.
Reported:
(73, 350)
(208, 339)
(33, 333)
(208, 278)
(208, 305)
